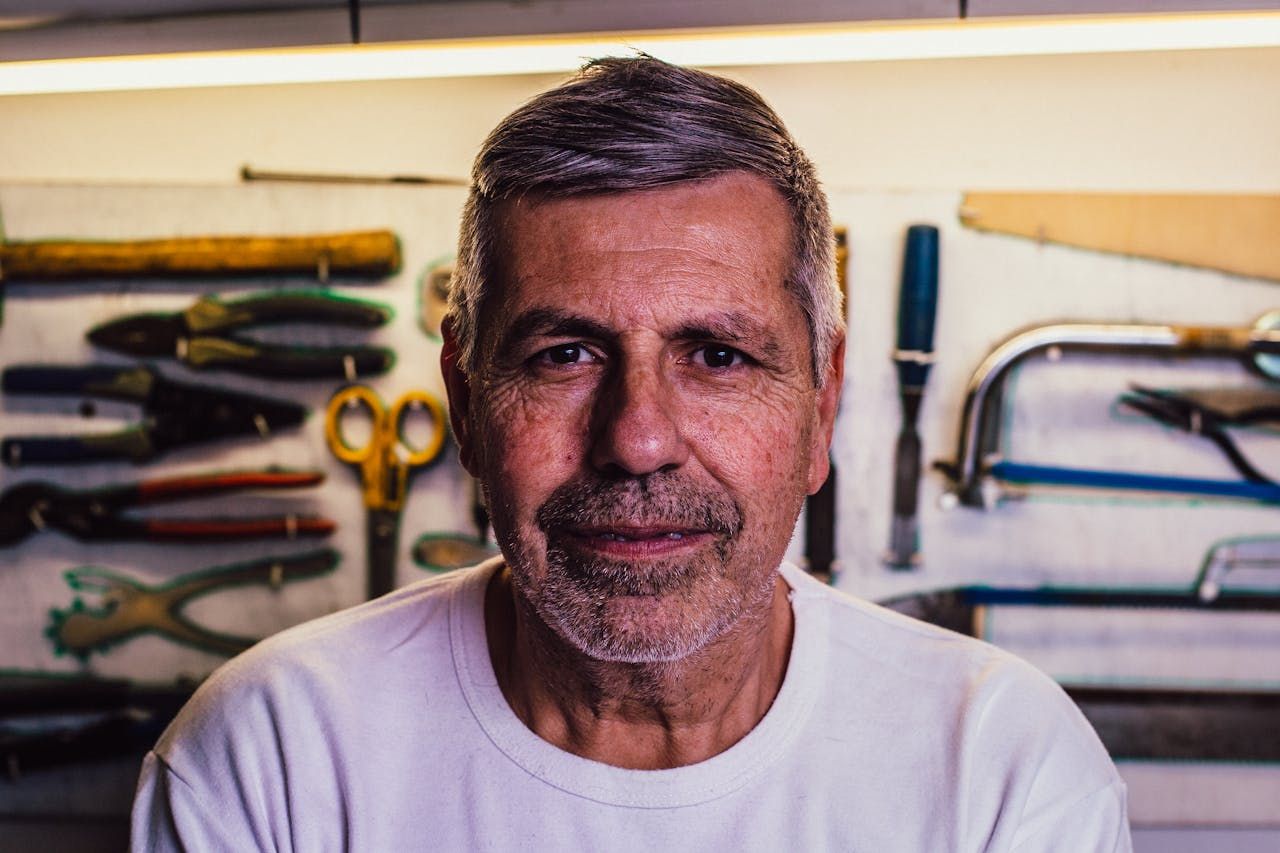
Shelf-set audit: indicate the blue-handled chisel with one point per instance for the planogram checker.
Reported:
(917, 308)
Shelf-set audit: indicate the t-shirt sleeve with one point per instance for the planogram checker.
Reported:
(168, 815)
(216, 779)
(1097, 823)
(1039, 780)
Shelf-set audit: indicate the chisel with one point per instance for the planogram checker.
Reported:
(917, 308)
(820, 507)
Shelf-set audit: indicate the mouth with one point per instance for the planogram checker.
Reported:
(637, 541)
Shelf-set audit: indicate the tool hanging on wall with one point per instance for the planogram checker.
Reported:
(54, 719)
(1025, 474)
(60, 740)
(1147, 722)
(201, 335)
(973, 475)
(1240, 553)
(96, 515)
(24, 692)
(249, 174)
(1208, 413)
(1232, 233)
(130, 608)
(917, 309)
(385, 461)
(961, 608)
(357, 254)
(175, 414)
(444, 552)
(820, 507)
(1154, 724)
(433, 297)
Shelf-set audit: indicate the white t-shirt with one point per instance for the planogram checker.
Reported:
(382, 728)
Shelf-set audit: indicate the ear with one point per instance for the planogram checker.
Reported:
(458, 387)
(828, 403)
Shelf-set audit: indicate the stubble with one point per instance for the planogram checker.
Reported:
(640, 611)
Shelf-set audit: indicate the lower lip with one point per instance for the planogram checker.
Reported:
(647, 546)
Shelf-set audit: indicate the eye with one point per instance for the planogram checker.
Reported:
(561, 354)
(718, 357)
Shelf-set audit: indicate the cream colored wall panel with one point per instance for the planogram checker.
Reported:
(186, 136)
(1195, 121)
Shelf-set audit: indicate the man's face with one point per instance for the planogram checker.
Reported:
(644, 417)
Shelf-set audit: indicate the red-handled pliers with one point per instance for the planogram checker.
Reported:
(96, 514)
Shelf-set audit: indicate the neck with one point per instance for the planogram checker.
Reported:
(640, 716)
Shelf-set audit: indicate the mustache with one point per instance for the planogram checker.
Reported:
(658, 499)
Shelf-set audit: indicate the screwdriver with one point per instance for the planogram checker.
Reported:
(917, 308)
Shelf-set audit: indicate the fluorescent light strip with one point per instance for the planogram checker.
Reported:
(852, 43)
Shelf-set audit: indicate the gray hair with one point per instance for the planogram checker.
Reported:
(639, 123)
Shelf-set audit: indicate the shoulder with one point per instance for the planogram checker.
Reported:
(893, 645)
(1018, 752)
(309, 669)
(305, 723)
(894, 648)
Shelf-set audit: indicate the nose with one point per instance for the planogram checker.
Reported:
(637, 429)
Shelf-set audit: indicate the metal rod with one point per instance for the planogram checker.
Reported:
(1089, 478)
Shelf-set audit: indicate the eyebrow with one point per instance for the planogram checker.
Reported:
(729, 326)
(550, 322)
(733, 327)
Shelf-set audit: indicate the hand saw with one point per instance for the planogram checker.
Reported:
(1238, 234)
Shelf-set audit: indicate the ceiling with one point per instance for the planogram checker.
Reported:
(70, 28)
(100, 9)
(50, 29)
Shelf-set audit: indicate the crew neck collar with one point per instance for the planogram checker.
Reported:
(680, 786)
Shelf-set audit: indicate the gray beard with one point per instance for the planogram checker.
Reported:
(579, 611)
(576, 597)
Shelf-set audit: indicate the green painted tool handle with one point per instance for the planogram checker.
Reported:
(305, 306)
(286, 362)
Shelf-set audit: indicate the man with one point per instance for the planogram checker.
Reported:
(643, 357)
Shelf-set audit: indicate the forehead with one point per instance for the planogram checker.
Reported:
(723, 242)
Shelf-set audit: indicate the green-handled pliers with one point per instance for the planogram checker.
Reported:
(202, 335)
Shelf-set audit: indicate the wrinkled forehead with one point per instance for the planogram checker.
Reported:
(735, 227)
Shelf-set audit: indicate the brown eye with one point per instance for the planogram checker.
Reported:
(719, 357)
(564, 354)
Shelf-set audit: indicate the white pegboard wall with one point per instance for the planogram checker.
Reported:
(1061, 413)
(990, 286)
(45, 323)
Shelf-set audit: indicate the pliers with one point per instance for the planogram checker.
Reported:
(130, 608)
(1209, 413)
(94, 515)
(175, 414)
(201, 336)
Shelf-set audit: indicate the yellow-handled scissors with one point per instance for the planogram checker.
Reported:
(385, 461)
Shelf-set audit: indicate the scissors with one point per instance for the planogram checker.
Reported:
(385, 462)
